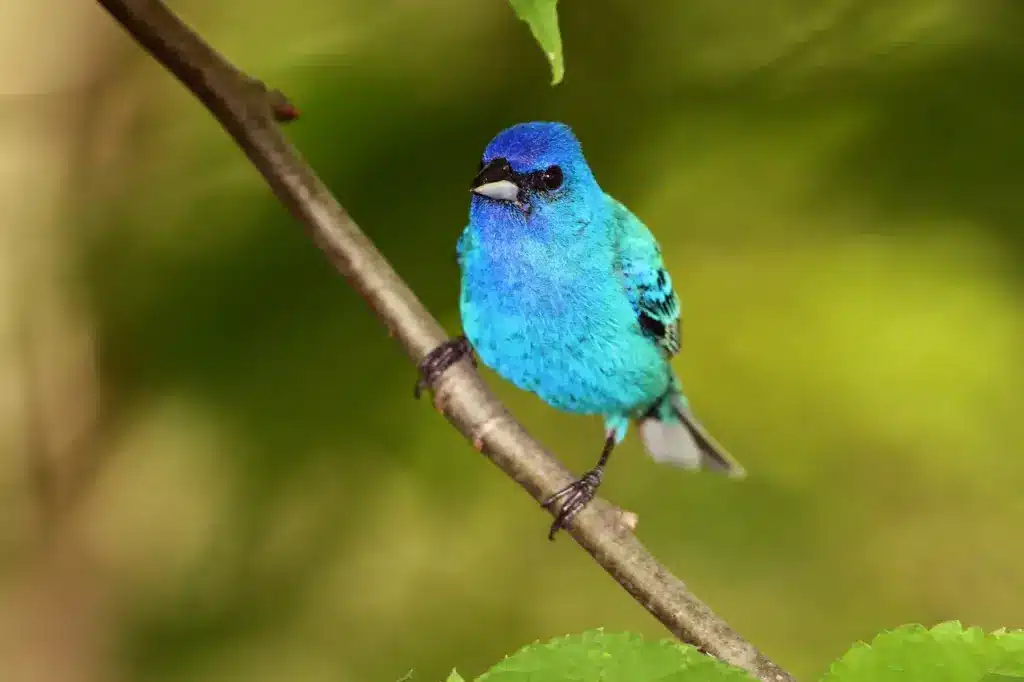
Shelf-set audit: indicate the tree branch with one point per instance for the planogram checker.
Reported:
(250, 114)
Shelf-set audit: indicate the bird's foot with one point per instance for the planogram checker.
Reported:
(439, 360)
(575, 497)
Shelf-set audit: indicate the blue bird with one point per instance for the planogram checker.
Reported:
(564, 293)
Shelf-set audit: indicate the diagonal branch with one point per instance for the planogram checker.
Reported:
(250, 114)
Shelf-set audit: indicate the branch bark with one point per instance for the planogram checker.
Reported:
(250, 113)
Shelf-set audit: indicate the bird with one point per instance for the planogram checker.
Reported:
(564, 293)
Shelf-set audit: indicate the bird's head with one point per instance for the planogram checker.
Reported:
(533, 168)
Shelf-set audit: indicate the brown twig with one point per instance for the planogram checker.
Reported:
(250, 114)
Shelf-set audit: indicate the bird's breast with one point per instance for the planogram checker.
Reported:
(562, 328)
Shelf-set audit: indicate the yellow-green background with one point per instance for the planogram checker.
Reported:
(838, 186)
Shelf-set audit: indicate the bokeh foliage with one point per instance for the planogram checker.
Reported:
(836, 185)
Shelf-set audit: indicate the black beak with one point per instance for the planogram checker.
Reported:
(497, 181)
(495, 171)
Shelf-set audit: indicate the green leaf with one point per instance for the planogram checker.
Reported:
(454, 677)
(1008, 646)
(946, 653)
(542, 16)
(595, 655)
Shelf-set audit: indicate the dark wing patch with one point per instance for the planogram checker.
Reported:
(651, 326)
(646, 282)
(658, 312)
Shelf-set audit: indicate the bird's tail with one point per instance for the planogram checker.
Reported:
(673, 435)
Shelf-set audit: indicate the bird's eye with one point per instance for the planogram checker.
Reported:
(552, 178)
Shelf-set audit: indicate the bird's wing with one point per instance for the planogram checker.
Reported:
(646, 281)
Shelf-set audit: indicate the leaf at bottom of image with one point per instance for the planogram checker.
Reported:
(946, 653)
(597, 655)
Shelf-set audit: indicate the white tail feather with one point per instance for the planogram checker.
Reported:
(670, 442)
(678, 438)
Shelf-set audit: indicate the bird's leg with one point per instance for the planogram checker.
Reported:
(439, 360)
(579, 493)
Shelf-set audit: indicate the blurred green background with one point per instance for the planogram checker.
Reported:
(837, 185)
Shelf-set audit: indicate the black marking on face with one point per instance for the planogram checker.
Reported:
(497, 169)
(547, 180)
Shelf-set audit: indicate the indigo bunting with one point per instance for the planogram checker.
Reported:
(564, 293)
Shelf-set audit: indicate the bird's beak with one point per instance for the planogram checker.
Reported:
(496, 180)
(500, 190)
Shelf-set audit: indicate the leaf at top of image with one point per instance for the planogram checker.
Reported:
(542, 17)
(946, 653)
(596, 655)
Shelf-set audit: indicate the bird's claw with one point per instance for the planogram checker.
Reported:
(575, 497)
(439, 360)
